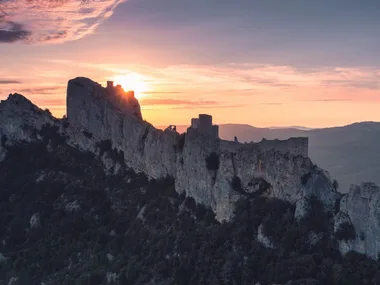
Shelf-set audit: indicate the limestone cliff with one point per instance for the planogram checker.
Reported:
(159, 153)
(240, 170)
(361, 208)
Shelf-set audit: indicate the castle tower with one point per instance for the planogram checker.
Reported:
(109, 84)
(204, 125)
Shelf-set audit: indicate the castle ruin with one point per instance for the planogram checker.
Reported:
(203, 124)
(295, 146)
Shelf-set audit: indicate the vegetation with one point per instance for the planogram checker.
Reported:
(212, 161)
(3, 140)
(181, 141)
(336, 184)
(305, 178)
(92, 226)
(88, 134)
(236, 184)
(50, 135)
(105, 147)
(346, 231)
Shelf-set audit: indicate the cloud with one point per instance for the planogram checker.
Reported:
(11, 32)
(209, 107)
(53, 102)
(328, 100)
(169, 101)
(41, 90)
(52, 21)
(272, 104)
(161, 92)
(5, 81)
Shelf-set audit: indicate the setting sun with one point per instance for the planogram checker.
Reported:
(132, 81)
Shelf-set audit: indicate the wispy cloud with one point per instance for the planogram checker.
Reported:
(175, 102)
(9, 81)
(42, 90)
(52, 21)
(272, 103)
(187, 107)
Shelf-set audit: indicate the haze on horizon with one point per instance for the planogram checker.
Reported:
(264, 63)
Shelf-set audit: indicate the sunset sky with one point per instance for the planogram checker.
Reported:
(264, 63)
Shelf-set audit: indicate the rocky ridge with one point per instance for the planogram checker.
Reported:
(243, 172)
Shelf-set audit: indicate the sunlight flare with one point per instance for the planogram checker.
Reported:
(133, 82)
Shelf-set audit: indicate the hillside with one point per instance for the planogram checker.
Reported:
(66, 221)
(268, 199)
(349, 153)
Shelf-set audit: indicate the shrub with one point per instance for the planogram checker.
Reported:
(65, 123)
(305, 178)
(236, 184)
(50, 133)
(212, 161)
(181, 141)
(335, 185)
(3, 140)
(346, 231)
(88, 134)
(48, 111)
(104, 146)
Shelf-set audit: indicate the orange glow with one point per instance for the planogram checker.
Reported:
(133, 82)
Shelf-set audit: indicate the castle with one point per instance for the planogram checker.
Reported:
(203, 124)
(270, 168)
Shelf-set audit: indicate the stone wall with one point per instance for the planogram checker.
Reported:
(295, 146)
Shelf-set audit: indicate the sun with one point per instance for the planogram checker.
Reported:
(132, 82)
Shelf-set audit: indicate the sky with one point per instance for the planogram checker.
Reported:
(264, 63)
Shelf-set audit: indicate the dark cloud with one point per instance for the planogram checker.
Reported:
(5, 81)
(48, 21)
(11, 32)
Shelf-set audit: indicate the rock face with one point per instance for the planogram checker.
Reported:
(161, 153)
(274, 169)
(361, 208)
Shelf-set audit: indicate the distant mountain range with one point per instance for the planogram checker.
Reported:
(349, 152)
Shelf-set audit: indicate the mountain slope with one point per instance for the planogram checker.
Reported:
(65, 221)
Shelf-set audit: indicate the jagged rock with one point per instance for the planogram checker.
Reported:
(361, 207)
(264, 239)
(35, 220)
(2, 258)
(13, 281)
(95, 114)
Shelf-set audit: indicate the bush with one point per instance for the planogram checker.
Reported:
(212, 161)
(305, 178)
(346, 231)
(335, 184)
(88, 134)
(3, 140)
(104, 146)
(48, 111)
(50, 133)
(236, 184)
(181, 141)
